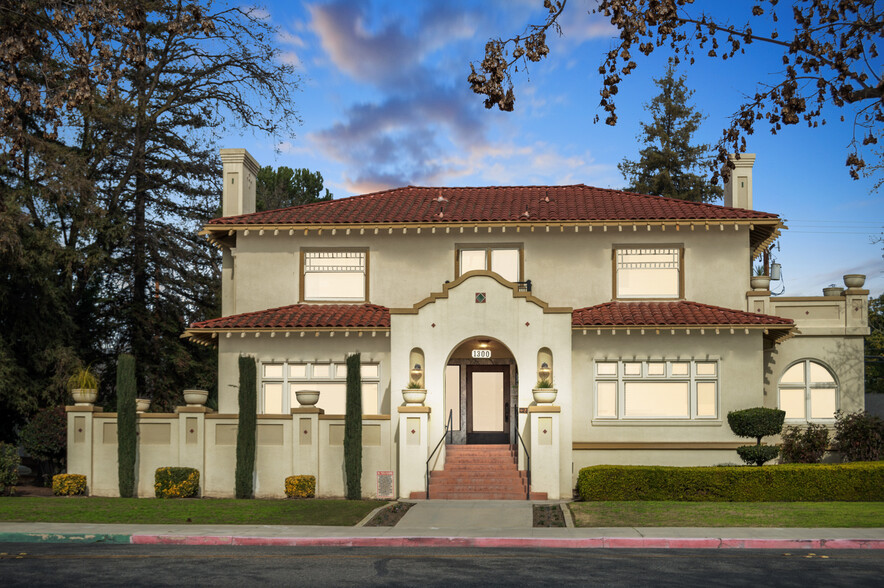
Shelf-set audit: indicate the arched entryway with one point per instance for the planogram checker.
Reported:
(481, 392)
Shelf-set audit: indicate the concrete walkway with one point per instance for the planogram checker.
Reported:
(441, 523)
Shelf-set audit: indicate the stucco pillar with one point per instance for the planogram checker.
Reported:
(856, 317)
(80, 441)
(413, 448)
(758, 301)
(545, 450)
(192, 439)
(305, 453)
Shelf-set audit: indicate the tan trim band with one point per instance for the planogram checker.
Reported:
(584, 446)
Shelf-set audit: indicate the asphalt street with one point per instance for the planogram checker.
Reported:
(53, 564)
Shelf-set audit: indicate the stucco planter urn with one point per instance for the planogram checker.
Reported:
(544, 395)
(196, 397)
(142, 404)
(759, 282)
(833, 291)
(414, 395)
(854, 280)
(84, 396)
(307, 397)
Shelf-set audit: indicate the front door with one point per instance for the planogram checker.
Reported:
(488, 404)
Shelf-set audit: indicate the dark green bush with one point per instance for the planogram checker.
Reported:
(780, 483)
(248, 423)
(127, 442)
(172, 482)
(807, 445)
(859, 436)
(9, 462)
(45, 438)
(756, 422)
(353, 428)
(757, 454)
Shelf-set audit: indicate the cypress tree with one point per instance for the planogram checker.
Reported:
(665, 167)
(353, 429)
(248, 422)
(126, 433)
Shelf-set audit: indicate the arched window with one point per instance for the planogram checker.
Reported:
(808, 392)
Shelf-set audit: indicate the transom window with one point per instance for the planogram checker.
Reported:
(505, 260)
(808, 392)
(335, 275)
(280, 381)
(648, 273)
(656, 389)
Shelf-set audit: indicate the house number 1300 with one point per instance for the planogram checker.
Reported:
(481, 353)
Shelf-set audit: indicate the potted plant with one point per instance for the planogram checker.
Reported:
(414, 394)
(833, 290)
(83, 386)
(759, 280)
(543, 392)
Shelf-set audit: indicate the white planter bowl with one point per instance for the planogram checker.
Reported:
(196, 397)
(759, 282)
(854, 280)
(307, 397)
(84, 396)
(142, 404)
(414, 395)
(833, 291)
(544, 395)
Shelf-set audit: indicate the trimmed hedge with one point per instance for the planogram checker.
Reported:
(9, 462)
(175, 482)
(68, 484)
(856, 482)
(300, 486)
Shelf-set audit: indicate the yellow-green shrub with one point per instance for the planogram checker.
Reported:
(177, 482)
(859, 481)
(68, 484)
(300, 486)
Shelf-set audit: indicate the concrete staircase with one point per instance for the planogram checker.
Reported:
(479, 472)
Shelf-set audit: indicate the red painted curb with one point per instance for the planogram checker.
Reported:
(561, 543)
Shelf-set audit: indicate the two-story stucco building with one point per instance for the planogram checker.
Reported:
(636, 309)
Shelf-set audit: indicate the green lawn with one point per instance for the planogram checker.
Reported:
(208, 511)
(728, 514)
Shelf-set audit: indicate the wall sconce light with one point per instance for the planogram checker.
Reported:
(544, 372)
(417, 373)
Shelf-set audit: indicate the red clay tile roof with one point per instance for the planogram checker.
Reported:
(679, 313)
(493, 204)
(300, 316)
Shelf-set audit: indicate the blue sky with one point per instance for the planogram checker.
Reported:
(385, 103)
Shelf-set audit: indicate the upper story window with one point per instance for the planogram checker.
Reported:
(334, 275)
(648, 272)
(808, 391)
(504, 260)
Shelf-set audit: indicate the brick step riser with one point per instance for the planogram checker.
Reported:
(462, 475)
(480, 452)
(478, 496)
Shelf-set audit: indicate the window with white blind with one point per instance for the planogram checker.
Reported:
(656, 389)
(280, 381)
(808, 392)
(504, 260)
(335, 276)
(648, 272)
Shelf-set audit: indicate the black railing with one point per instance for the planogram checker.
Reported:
(527, 463)
(524, 286)
(447, 432)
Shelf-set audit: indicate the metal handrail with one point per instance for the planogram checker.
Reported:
(527, 463)
(447, 432)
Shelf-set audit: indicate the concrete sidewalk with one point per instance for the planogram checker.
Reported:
(442, 523)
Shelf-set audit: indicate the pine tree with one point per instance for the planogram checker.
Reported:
(353, 429)
(127, 445)
(666, 166)
(286, 187)
(248, 422)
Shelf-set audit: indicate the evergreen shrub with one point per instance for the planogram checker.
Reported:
(45, 438)
(127, 442)
(246, 431)
(174, 482)
(756, 423)
(300, 486)
(807, 445)
(859, 436)
(353, 428)
(69, 484)
(9, 462)
(856, 482)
